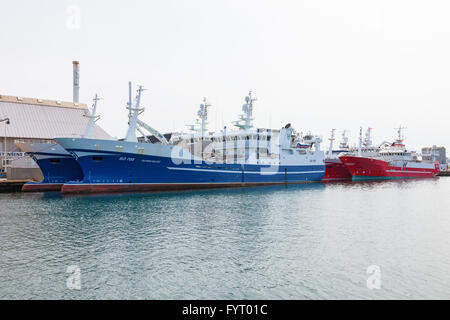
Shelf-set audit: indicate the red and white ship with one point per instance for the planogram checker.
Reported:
(391, 162)
(335, 170)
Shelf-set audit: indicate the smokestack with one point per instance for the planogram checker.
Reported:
(76, 81)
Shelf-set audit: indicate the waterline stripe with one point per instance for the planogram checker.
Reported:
(184, 183)
(408, 171)
(240, 171)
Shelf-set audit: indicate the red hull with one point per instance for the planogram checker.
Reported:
(336, 170)
(41, 187)
(125, 187)
(368, 168)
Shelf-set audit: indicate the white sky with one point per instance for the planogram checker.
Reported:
(316, 64)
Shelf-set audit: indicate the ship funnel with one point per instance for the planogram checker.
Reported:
(76, 81)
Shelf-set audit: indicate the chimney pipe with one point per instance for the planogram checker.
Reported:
(76, 81)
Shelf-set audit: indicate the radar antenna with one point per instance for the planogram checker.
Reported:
(360, 143)
(246, 117)
(344, 140)
(330, 150)
(400, 133)
(368, 138)
(201, 122)
(203, 115)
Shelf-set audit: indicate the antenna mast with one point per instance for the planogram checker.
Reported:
(330, 150)
(203, 115)
(248, 113)
(360, 142)
(133, 114)
(368, 138)
(344, 141)
(93, 117)
(400, 136)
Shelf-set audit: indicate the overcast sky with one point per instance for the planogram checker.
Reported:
(316, 64)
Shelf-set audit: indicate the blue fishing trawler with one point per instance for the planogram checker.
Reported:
(243, 156)
(57, 165)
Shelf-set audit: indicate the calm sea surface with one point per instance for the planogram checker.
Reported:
(311, 241)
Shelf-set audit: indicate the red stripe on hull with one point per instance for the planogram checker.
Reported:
(336, 170)
(374, 168)
(124, 188)
(44, 187)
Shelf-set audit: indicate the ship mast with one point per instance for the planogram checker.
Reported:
(135, 124)
(360, 142)
(133, 113)
(400, 137)
(92, 118)
(203, 115)
(344, 141)
(200, 125)
(330, 150)
(368, 138)
(248, 113)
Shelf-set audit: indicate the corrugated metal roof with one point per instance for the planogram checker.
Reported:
(36, 121)
(43, 102)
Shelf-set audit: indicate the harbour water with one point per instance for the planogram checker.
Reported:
(311, 241)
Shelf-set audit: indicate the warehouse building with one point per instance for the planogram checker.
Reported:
(438, 154)
(37, 120)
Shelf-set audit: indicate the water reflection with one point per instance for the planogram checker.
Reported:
(297, 241)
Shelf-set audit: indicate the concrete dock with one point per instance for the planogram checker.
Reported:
(11, 185)
(444, 173)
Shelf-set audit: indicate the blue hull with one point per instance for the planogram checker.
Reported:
(60, 169)
(57, 170)
(56, 164)
(133, 172)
